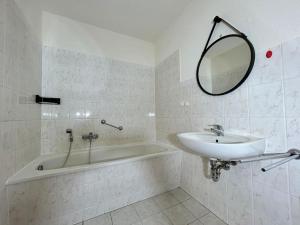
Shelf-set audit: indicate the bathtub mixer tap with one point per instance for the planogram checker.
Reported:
(91, 136)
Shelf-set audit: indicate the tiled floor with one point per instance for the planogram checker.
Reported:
(172, 208)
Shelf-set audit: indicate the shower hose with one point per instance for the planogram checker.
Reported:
(69, 153)
(90, 151)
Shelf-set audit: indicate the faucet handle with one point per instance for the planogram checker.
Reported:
(217, 126)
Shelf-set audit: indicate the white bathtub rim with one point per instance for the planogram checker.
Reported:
(29, 172)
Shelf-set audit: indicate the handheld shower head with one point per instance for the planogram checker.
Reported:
(70, 132)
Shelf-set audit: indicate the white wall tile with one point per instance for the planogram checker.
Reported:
(217, 194)
(293, 132)
(294, 169)
(236, 104)
(94, 88)
(272, 129)
(239, 205)
(291, 57)
(266, 70)
(268, 209)
(20, 76)
(295, 207)
(292, 94)
(276, 179)
(266, 100)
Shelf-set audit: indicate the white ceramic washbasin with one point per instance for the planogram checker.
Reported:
(227, 147)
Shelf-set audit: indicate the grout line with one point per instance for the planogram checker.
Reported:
(178, 199)
(226, 198)
(140, 218)
(285, 131)
(252, 194)
(111, 220)
(251, 166)
(209, 211)
(197, 218)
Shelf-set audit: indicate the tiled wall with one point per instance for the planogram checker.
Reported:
(72, 198)
(93, 88)
(20, 79)
(267, 104)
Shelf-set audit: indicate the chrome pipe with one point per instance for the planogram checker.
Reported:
(263, 157)
(290, 155)
(120, 128)
(217, 165)
(273, 165)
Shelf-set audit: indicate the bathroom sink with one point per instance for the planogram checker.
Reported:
(227, 147)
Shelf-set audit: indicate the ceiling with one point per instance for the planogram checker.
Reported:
(143, 19)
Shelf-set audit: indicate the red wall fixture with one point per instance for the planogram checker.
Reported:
(269, 54)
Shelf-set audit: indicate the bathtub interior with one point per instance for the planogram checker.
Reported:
(79, 161)
(104, 154)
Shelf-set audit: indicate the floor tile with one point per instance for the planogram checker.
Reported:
(195, 208)
(179, 215)
(157, 219)
(165, 200)
(171, 208)
(138, 223)
(146, 208)
(100, 220)
(180, 194)
(211, 219)
(125, 216)
(197, 222)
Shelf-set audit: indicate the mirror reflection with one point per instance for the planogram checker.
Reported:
(225, 65)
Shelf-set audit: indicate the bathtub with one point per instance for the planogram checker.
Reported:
(116, 177)
(79, 161)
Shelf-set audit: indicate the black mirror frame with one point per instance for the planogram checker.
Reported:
(252, 51)
(217, 20)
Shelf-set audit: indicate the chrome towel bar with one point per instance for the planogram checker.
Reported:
(273, 165)
(120, 128)
(288, 156)
(216, 165)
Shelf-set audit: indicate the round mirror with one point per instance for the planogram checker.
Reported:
(225, 64)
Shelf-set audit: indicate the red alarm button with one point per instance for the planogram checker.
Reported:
(269, 54)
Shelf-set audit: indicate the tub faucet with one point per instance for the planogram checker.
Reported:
(216, 129)
(91, 136)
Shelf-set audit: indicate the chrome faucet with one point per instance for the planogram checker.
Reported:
(216, 129)
(91, 136)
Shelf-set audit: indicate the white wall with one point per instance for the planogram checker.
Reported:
(266, 23)
(64, 33)
(33, 14)
(20, 79)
